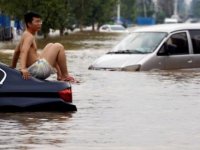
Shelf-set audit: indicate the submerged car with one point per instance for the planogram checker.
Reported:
(157, 47)
(17, 94)
(113, 28)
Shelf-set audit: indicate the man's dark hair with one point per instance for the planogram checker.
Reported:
(28, 17)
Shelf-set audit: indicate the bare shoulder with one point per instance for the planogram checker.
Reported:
(27, 37)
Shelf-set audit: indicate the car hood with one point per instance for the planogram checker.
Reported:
(113, 61)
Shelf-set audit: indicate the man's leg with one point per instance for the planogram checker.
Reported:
(55, 55)
(59, 74)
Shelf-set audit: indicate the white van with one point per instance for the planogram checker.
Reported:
(113, 28)
(167, 46)
(170, 20)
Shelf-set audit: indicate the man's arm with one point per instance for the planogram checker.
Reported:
(25, 47)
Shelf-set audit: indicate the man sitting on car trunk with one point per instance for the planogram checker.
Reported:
(39, 65)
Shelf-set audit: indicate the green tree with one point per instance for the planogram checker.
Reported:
(17, 8)
(128, 8)
(182, 9)
(145, 8)
(195, 8)
(80, 9)
(167, 7)
(106, 11)
(91, 12)
(54, 13)
(62, 14)
(160, 16)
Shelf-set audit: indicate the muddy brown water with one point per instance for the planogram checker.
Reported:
(116, 110)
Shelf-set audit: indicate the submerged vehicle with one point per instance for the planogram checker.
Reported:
(19, 95)
(157, 47)
(113, 28)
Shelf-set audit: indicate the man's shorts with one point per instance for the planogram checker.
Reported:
(41, 69)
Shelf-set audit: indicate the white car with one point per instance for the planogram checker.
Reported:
(158, 47)
(113, 28)
(170, 20)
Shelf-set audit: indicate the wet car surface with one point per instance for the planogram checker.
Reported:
(17, 94)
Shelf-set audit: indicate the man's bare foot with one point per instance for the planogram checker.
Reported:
(59, 78)
(69, 79)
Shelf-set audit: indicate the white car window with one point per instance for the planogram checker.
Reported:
(179, 40)
(104, 28)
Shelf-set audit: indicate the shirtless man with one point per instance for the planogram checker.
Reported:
(39, 65)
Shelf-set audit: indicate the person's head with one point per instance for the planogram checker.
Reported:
(33, 21)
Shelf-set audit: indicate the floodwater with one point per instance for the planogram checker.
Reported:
(116, 111)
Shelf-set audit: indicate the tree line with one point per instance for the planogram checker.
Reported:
(195, 11)
(66, 14)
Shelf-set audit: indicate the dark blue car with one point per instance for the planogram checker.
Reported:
(19, 95)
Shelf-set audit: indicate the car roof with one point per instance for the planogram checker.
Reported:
(113, 25)
(168, 27)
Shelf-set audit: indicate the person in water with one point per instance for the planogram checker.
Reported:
(52, 58)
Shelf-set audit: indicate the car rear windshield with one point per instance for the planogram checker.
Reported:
(140, 42)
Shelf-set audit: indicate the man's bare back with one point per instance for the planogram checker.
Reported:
(32, 55)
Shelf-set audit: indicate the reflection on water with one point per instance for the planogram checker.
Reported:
(5, 58)
(116, 110)
(22, 130)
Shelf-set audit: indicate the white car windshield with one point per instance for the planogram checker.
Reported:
(139, 42)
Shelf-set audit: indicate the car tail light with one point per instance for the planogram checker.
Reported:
(66, 95)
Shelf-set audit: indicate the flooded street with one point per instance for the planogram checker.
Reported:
(116, 111)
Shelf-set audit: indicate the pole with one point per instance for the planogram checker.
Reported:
(175, 8)
(118, 12)
(144, 8)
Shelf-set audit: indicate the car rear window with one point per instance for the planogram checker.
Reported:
(195, 37)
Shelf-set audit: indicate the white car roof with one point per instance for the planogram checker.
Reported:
(116, 25)
(168, 27)
(113, 25)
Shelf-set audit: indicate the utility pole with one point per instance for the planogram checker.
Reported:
(175, 13)
(144, 8)
(156, 8)
(176, 8)
(118, 12)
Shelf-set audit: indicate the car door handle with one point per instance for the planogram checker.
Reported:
(189, 61)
